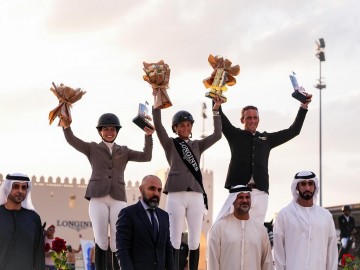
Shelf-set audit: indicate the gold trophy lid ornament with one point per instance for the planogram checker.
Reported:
(158, 76)
(66, 96)
(222, 75)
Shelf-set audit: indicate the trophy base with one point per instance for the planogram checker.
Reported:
(299, 96)
(141, 122)
(212, 95)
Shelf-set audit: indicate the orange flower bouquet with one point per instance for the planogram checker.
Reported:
(158, 76)
(66, 96)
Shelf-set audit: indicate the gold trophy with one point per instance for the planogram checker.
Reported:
(143, 119)
(158, 76)
(222, 75)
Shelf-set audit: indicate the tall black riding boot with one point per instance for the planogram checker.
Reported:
(100, 258)
(176, 255)
(194, 259)
(115, 262)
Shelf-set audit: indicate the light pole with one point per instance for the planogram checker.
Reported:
(320, 54)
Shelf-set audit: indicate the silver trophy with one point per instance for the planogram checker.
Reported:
(143, 119)
(299, 91)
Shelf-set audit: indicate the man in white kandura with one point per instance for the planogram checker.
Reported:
(236, 241)
(304, 233)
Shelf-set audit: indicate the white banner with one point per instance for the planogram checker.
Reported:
(86, 246)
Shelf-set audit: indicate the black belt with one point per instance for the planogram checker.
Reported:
(251, 185)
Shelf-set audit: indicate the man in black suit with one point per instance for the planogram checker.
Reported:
(346, 225)
(142, 231)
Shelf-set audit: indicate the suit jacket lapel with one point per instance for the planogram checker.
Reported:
(116, 148)
(105, 146)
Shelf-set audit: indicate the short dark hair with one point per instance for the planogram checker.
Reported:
(249, 107)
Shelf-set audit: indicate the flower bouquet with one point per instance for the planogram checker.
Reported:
(222, 75)
(58, 255)
(158, 76)
(350, 262)
(66, 96)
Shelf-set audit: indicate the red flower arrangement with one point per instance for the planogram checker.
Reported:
(58, 255)
(350, 262)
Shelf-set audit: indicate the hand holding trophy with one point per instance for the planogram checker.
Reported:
(143, 119)
(299, 92)
(66, 96)
(222, 75)
(158, 76)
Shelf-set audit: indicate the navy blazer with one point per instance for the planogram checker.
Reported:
(136, 248)
(345, 226)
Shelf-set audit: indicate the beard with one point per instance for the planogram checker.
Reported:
(17, 199)
(151, 202)
(306, 195)
(245, 207)
(242, 208)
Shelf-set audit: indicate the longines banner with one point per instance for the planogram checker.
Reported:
(74, 224)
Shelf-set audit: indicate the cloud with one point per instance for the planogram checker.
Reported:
(81, 16)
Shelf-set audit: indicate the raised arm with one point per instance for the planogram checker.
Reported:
(146, 154)
(75, 142)
(160, 130)
(216, 135)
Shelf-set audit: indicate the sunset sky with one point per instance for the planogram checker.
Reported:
(100, 46)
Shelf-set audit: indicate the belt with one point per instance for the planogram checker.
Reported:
(251, 185)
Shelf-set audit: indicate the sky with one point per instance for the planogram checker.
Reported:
(100, 46)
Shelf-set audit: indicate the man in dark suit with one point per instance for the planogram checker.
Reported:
(346, 225)
(142, 231)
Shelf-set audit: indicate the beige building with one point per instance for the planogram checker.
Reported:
(61, 202)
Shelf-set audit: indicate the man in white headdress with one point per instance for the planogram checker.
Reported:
(236, 241)
(21, 234)
(304, 233)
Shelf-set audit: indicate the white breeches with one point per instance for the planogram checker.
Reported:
(259, 205)
(344, 242)
(189, 205)
(104, 211)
